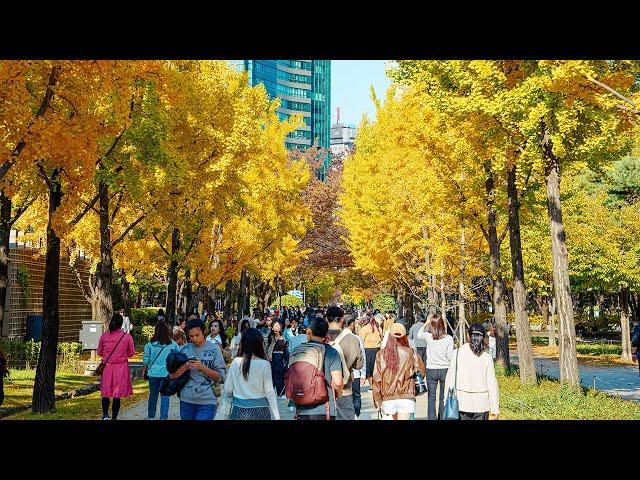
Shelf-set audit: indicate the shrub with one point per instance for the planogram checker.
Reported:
(144, 316)
(287, 301)
(142, 333)
(384, 302)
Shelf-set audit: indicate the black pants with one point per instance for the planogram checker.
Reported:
(314, 417)
(105, 407)
(474, 415)
(435, 375)
(422, 351)
(357, 398)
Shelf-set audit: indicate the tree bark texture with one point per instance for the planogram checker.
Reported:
(526, 364)
(569, 374)
(104, 270)
(43, 389)
(172, 275)
(5, 233)
(499, 307)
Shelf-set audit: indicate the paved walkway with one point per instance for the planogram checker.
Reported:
(139, 410)
(620, 380)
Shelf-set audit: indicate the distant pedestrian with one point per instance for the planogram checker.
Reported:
(393, 377)
(115, 347)
(421, 345)
(348, 346)
(278, 355)
(439, 351)
(492, 342)
(358, 374)
(472, 375)
(179, 336)
(155, 361)
(371, 334)
(126, 323)
(249, 384)
(160, 316)
(245, 324)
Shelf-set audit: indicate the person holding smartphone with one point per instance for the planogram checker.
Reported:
(206, 365)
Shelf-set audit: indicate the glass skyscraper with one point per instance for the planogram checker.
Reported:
(303, 86)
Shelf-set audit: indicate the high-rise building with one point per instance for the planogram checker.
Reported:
(343, 137)
(303, 86)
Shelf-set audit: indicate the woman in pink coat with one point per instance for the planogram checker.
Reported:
(115, 347)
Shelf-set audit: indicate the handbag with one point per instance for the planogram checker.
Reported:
(420, 382)
(103, 363)
(145, 373)
(451, 406)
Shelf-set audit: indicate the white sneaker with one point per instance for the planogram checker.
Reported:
(357, 417)
(106, 417)
(292, 409)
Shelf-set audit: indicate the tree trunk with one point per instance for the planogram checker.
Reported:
(624, 323)
(499, 307)
(552, 324)
(126, 293)
(462, 321)
(408, 306)
(228, 299)
(247, 296)
(399, 302)
(43, 389)
(569, 374)
(104, 270)
(172, 275)
(526, 364)
(443, 298)
(432, 297)
(5, 233)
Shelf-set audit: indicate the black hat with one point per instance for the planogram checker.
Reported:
(477, 328)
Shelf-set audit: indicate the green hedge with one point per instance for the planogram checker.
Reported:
(144, 316)
(384, 303)
(25, 354)
(142, 333)
(287, 301)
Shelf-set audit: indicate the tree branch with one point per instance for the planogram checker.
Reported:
(88, 206)
(160, 243)
(117, 207)
(124, 234)
(504, 234)
(614, 92)
(23, 208)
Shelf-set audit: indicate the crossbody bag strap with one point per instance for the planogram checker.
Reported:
(154, 360)
(114, 348)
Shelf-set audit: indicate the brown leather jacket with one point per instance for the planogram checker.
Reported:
(389, 385)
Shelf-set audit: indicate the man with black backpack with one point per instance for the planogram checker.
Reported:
(314, 378)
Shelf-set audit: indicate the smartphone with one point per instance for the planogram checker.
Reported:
(192, 358)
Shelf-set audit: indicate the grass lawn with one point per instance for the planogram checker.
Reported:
(18, 386)
(87, 407)
(547, 401)
(588, 353)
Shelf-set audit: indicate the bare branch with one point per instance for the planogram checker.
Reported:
(160, 243)
(614, 92)
(117, 207)
(88, 206)
(129, 228)
(504, 234)
(23, 208)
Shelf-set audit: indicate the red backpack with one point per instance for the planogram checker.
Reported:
(305, 384)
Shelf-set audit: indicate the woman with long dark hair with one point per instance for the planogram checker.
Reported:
(217, 333)
(472, 376)
(155, 364)
(371, 334)
(245, 324)
(439, 351)
(393, 376)
(278, 355)
(249, 381)
(115, 347)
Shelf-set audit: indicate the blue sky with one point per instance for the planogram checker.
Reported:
(350, 82)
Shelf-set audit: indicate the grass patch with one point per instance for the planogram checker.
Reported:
(592, 354)
(548, 401)
(18, 386)
(88, 407)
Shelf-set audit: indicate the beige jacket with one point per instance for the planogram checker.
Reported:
(477, 387)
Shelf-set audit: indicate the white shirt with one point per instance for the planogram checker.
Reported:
(126, 324)
(477, 387)
(258, 384)
(438, 351)
(217, 339)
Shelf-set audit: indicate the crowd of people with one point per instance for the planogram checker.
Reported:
(318, 359)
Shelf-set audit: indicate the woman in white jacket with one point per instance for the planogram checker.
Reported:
(472, 376)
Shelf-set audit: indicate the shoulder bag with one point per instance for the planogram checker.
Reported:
(451, 406)
(145, 373)
(103, 363)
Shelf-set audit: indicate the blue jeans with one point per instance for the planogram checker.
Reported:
(154, 391)
(193, 411)
(435, 375)
(357, 398)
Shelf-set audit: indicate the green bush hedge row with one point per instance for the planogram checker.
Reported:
(25, 354)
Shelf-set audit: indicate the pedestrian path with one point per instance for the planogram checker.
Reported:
(620, 380)
(139, 410)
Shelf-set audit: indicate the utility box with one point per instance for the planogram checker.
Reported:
(90, 334)
(34, 328)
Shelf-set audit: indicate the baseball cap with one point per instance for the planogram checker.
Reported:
(477, 328)
(398, 330)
